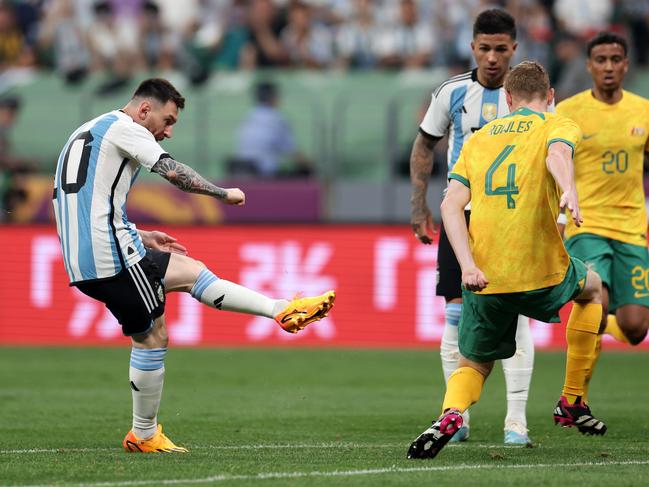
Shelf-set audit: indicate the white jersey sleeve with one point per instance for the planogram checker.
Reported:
(137, 143)
(438, 117)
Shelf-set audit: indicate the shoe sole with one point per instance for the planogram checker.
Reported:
(584, 430)
(299, 322)
(418, 450)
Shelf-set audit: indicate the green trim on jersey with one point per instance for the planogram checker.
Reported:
(461, 179)
(526, 112)
(559, 139)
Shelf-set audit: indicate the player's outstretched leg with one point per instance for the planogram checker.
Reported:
(225, 295)
(430, 442)
(518, 375)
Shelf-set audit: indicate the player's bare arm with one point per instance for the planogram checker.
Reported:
(560, 165)
(187, 179)
(456, 199)
(421, 165)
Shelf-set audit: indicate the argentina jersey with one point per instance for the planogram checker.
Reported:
(459, 107)
(94, 173)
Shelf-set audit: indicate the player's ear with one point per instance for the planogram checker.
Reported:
(144, 109)
(508, 98)
(550, 96)
(514, 46)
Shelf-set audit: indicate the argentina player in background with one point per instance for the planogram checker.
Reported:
(459, 107)
(130, 270)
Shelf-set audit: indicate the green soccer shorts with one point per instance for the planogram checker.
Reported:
(487, 329)
(623, 267)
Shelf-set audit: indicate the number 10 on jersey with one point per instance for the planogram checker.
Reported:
(510, 189)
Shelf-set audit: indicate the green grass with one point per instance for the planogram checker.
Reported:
(297, 417)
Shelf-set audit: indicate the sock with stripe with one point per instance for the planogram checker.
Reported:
(228, 296)
(146, 374)
(613, 329)
(448, 349)
(463, 389)
(518, 373)
(581, 336)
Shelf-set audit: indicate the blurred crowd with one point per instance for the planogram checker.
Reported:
(123, 37)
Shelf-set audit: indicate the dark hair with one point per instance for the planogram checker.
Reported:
(161, 90)
(606, 38)
(494, 21)
(265, 91)
(528, 80)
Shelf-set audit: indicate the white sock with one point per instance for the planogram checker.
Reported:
(449, 350)
(146, 374)
(228, 296)
(518, 373)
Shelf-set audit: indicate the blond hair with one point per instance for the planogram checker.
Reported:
(527, 80)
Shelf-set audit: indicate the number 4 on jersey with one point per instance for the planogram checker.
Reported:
(510, 189)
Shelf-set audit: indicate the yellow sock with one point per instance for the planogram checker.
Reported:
(598, 349)
(581, 335)
(613, 329)
(463, 389)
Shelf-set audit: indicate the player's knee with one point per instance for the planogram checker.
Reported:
(592, 291)
(635, 328)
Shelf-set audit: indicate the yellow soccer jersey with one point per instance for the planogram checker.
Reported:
(609, 165)
(515, 201)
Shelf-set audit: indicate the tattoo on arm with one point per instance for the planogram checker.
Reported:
(186, 178)
(421, 166)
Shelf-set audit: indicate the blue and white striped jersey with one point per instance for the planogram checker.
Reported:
(94, 174)
(459, 107)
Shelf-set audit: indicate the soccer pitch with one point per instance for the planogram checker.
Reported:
(303, 417)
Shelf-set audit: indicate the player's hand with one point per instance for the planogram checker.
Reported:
(234, 196)
(161, 241)
(569, 200)
(423, 226)
(474, 279)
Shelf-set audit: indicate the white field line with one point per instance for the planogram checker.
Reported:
(341, 473)
(117, 449)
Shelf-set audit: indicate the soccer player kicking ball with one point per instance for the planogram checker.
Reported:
(512, 257)
(131, 270)
(609, 166)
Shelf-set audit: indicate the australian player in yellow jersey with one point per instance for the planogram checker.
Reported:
(517, 172)
(608, 172)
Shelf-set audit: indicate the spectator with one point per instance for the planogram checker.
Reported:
(265, 139)
(409, 44)
(62, 34)
(572, 77)
(264, 49)
(357, 39)
(14, 51)
(308, 44)
(113, 45)
(637, 14)
(583, 18)
(13, 170)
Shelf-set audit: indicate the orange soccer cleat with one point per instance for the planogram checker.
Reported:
(302, 311)
(158, 443)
